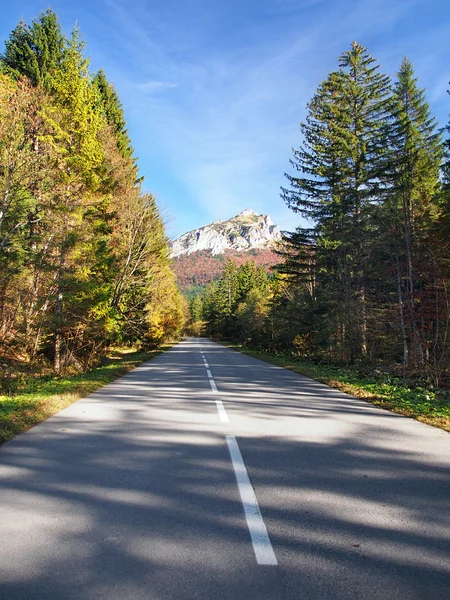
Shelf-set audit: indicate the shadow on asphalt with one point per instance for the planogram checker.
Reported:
(136, 506)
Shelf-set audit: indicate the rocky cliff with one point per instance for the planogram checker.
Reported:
(245, 231)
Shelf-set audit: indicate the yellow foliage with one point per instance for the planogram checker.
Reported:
(165, 311)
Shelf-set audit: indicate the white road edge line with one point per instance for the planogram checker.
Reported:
(208, 372)
(260, 538)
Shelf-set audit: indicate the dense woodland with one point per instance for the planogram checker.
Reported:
(368, 281)
(195, 271)
(83, 252)
(84, 255)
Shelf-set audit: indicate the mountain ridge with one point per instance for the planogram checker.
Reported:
(245, 231)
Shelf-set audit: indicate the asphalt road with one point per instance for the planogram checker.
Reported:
(138, 492)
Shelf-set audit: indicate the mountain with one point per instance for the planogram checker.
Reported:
(199, 256)
(245, 231)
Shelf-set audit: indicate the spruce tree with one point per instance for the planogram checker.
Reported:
(343, 175)
(410, 212)
(35, 51)
(113, 111)
(196, 308)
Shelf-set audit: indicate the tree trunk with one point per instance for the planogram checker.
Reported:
(402, 318)
(58, 334)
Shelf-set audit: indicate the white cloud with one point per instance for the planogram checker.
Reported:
(150, 87)
(225, 134)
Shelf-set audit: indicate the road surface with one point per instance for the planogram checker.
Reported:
(207, 474)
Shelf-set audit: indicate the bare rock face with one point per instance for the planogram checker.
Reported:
(245, 231)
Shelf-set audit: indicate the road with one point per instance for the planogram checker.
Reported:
(207, 474)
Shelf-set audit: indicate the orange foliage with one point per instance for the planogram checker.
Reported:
(199, 268)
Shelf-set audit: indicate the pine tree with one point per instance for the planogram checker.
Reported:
(250, 277)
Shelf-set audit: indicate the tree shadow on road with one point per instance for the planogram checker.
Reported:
(131, 503)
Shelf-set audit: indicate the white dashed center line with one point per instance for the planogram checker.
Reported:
(260, 538)
(220, 407)
(262, 545)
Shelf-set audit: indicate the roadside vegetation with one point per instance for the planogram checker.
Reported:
(29, 398)
(360, 299)
(84, 256)
(380, 388)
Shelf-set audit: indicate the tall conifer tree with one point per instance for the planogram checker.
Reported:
(113, 110)
(343, 175)
(35, 51)
(418, 153)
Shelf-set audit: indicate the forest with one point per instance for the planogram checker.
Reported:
(194, 271)
(84, 257)
(366, 281)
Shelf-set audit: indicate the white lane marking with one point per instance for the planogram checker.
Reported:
(222, 412)
(260, 538)
(220, 407)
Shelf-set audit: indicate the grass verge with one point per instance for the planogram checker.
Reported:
(382, 389)
(42, 397)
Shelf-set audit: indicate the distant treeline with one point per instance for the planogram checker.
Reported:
(83, 251)
(195, 271)
(368, 280)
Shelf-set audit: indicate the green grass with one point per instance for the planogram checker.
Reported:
(37, 398)
(381, 389)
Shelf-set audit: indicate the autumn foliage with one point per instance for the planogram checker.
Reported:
(198, 269)
(84, 258)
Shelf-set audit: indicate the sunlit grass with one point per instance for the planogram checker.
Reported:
(383, 389)
(40, 397)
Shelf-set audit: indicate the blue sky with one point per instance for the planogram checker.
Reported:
(214, 91)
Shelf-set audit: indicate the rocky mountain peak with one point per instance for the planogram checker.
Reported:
(244, 231)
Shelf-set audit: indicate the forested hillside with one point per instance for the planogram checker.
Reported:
(195, 271)
(83, 250)
(367, 282)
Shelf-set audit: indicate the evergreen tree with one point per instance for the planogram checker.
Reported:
(343, 166)
(113, 110)
(249, 277)
(83, 251)
(196, 308)
(35, 51)
(418, 151)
